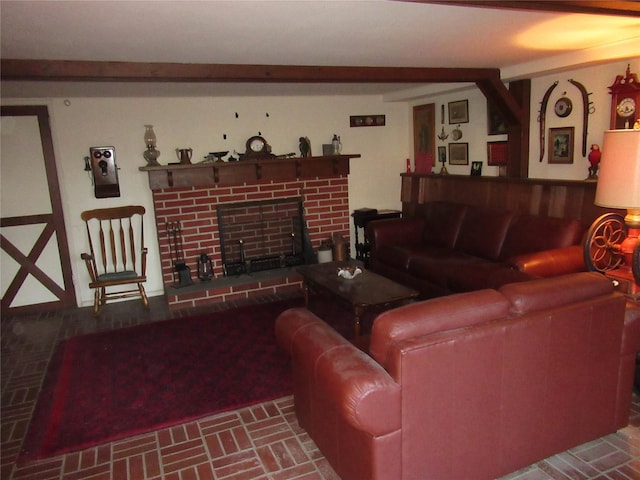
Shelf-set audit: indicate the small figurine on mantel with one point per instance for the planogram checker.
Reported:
(594, 161)
(305, 147)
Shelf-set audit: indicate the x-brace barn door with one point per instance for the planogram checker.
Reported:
(35, 263)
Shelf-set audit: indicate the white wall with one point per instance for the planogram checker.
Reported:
(200, 123)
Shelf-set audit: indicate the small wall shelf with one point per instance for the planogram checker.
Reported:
(246, 171)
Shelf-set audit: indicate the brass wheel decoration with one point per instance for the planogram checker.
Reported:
(602, 243)
(635, 263)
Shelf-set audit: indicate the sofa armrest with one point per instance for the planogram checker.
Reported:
(550, 263)
(395, 231)
(348, 380)
(362, 391)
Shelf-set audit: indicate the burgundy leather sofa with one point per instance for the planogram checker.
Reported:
(467, 386)
(455, 248)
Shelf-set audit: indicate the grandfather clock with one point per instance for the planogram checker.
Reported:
(625, 100)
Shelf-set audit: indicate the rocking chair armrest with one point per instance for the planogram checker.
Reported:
(144, 261)
(89, 262)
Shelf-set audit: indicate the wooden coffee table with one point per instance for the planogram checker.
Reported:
(366, 291)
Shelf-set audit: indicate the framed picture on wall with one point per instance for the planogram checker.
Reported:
(424, 133)
(442, 155)
(458, 154)
(476, 169)
(496, 153)
(459, 112)
(561, 145)
(495, 121)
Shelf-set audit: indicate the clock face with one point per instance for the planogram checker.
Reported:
(563, 107)
(626, 107)
(256, 144)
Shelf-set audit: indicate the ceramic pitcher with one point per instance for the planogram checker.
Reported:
(184, 155)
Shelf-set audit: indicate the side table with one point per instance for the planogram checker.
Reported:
(360, 219)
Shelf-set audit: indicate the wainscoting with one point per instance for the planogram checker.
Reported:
(553, 198)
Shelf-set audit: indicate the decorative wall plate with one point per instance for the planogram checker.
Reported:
(456, 134)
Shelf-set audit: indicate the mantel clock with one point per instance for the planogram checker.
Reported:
(625, 101)
(257, 146)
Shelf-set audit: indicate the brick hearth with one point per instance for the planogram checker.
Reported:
(326, 207)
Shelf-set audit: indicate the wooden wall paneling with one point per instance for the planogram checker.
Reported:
(554, 198)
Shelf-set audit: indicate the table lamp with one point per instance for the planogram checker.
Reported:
(619, 182)
(612, 241)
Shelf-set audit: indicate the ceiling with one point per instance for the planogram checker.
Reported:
(306, 32)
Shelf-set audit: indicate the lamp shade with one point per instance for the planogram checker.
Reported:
(619, 175)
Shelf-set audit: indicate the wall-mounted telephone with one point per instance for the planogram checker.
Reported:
(102, 164)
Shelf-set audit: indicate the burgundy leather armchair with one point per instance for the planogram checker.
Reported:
(467, 386)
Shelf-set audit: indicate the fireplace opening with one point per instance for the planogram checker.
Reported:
(262, 235)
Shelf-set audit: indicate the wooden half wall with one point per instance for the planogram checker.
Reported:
(553, 198)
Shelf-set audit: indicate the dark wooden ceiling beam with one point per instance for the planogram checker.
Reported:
(498, 95)
(70, 70)
(487, 79)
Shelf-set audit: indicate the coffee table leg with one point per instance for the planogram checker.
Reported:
(357, 312)
(305, 292)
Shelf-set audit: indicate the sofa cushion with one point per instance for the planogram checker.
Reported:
(442, 223)
(399, 256)
(487, 274)
(435, 264)
(483, 232)
(532, 233)
(439, 314)
(556, 291)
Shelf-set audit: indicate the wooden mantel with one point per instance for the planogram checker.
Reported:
(246, 171)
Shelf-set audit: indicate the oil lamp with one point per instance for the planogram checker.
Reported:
(205, 268)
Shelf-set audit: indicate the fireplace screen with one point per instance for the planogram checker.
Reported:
(261, 235)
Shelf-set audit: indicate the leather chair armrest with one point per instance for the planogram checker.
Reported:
(551, 263)
(143, 263)
(349, 381)
(394, 231)
(289, 323)
(360, 389)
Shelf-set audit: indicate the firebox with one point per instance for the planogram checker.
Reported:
(262, 235)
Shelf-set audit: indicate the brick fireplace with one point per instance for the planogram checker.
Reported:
(325, 202)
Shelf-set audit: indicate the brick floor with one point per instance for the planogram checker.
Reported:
(259, 442)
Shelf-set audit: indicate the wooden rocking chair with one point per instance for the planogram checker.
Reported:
(117, 253)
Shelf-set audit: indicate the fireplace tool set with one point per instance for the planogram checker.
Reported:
(174, 232)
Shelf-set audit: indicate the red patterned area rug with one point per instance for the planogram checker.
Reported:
(105, 386)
